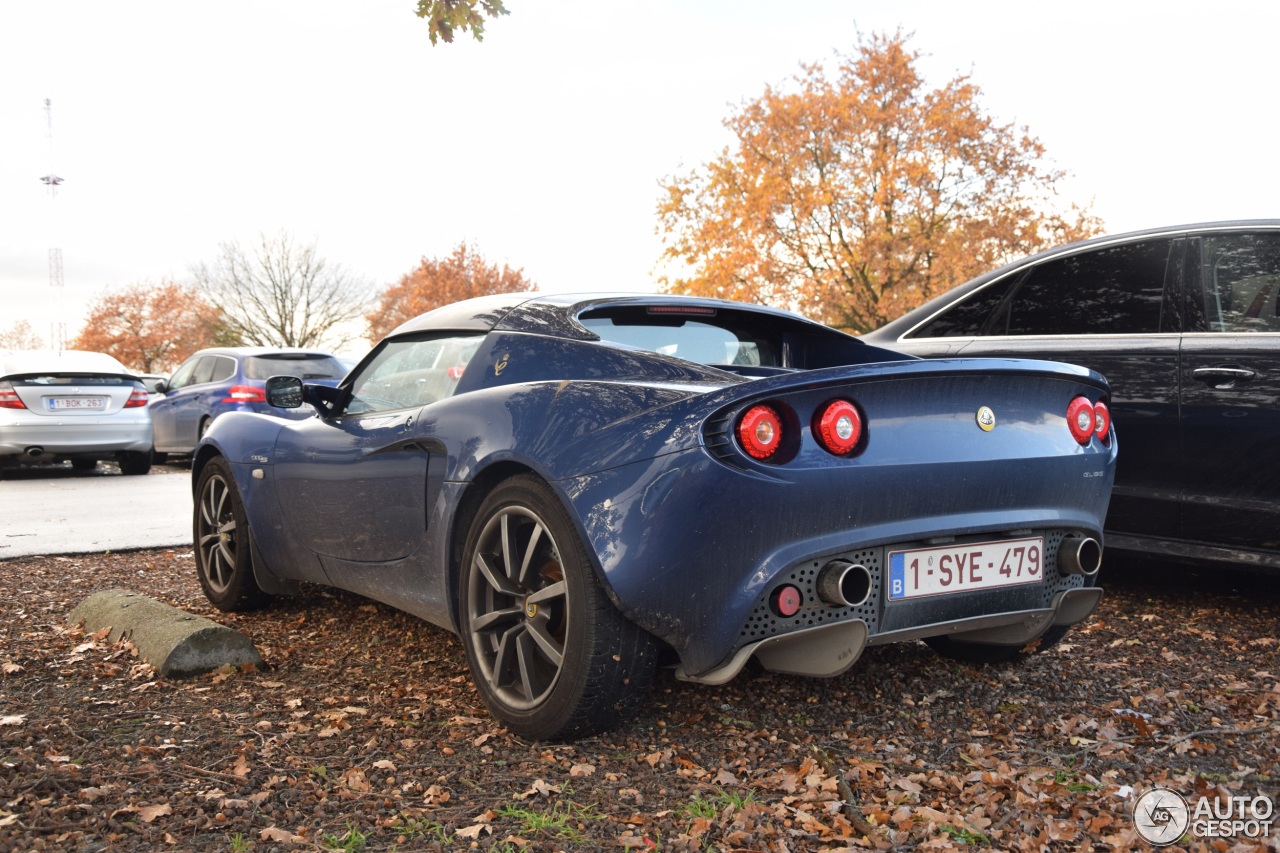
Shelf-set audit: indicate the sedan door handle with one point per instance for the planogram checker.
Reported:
(1222, 377)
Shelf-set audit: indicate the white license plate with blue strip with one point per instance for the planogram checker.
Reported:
(923, 572)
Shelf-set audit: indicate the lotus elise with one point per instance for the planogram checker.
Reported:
(586, 487)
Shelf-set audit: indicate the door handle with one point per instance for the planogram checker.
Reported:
(1222, 377)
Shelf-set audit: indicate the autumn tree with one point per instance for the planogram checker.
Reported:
(445, 16)
(282, 293)
(859, 193)
(20, 336)
(149, 327)
(435, 282)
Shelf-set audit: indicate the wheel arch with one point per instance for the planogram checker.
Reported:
(468, 507)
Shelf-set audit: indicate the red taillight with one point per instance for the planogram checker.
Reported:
(245, 394)
(838, 427)
(9, 398)
(1102, 422)
(455, 372)
(137, 399)
(1080, 419)
(760, 431)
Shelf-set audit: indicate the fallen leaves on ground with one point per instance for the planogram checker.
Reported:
(364, 732)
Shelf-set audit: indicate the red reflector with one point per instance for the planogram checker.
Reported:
(245, 394)
(787, 600)
(1102, 422)
(9, 398)
(760, 431)
(137, 398)
(838, 427)
(1080, 419)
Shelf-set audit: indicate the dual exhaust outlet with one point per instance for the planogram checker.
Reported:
(846, 584)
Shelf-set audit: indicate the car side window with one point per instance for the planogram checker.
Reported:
(969, 317)
(182, 376)
(1240, 277)
(412, 373)
(1115, 290)
(223, 369)
(204, 370)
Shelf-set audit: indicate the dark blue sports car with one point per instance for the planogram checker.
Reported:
(584, 487)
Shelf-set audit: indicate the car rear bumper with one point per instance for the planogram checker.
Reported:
(84, 436)
(830, 650)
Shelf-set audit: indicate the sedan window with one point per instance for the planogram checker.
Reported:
(1113, 291)
(1240, 274)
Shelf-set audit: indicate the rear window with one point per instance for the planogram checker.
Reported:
(303, 367)
(57, 379)
(703, 335)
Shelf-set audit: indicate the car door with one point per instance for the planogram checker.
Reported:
(189, 404)
(163, 413)
(1110, 308)
(1231, 391)
(354, 487)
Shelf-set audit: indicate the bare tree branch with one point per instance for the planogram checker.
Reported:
(283, 294)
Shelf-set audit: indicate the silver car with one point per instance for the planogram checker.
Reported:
(81, 406)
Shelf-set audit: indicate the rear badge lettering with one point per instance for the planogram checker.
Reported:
(986, 419)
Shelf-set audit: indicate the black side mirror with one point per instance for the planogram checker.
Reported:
(284, 392)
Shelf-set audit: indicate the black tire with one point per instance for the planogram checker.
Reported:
(84, 464)
(158, 458)
(552, 658)
(134, 464)
(224, 558)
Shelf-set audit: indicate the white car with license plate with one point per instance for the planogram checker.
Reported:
(71, 405)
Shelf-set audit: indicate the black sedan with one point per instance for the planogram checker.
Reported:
(1184, 323)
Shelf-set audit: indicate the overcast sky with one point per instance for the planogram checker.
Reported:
(179, 126)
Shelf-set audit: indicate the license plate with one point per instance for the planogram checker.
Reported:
(63, 403)
(963, 568)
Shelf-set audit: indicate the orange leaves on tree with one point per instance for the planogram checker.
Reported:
(857, 193)
(435, 282)
(149, 327)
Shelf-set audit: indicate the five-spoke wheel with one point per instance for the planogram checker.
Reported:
(551, 656)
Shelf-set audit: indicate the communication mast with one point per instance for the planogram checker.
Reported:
(57, 329)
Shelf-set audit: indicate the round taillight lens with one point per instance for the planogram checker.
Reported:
(1080, 419)
(760, 431)
(1102, 421)
(838, 427)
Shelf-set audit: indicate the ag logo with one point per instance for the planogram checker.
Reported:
(1161, 816)
(986, 419)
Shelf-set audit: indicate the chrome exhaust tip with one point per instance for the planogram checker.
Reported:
(34, 452)
(843, 583)
(1079, 555)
